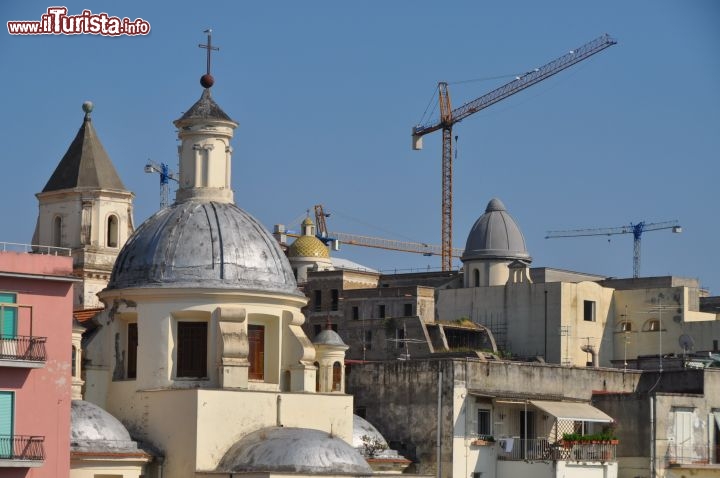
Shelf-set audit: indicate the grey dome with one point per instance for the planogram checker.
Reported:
(93, 429)
(293, 450)
(363, 428)
(495, 235)
(328, 337)
(206, 244)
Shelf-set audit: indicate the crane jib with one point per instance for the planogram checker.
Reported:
(522, 82)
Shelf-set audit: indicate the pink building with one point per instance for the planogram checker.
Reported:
(35, 361)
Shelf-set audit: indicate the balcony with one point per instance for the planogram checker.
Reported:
(697, 455)
(21, 451)
(536, 449)
(22, 352)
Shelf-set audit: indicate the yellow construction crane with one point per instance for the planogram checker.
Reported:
(449, 116)
(322, 233)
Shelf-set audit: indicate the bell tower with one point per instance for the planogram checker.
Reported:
(85, 207)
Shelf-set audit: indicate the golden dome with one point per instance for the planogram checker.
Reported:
(307, 222)
(308, 246)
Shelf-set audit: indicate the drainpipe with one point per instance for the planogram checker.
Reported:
(652, 437)
(438, 438)
(590, 349)
(279, 404)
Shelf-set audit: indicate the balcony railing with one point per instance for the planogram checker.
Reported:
(532, 449)
(22, 448)
(18, 347)
(34, 249)
(695, 454)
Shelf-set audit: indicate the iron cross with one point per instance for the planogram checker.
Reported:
(209, 47)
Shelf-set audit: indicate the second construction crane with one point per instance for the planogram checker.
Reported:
(635, 229)
(449, 116)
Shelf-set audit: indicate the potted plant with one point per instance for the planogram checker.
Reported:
(483, 440)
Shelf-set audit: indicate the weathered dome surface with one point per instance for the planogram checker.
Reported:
(364, 431)
(206, 244)
(293, 450)
(495, 235)
(308, 246)
(93, 429)
(328, 337)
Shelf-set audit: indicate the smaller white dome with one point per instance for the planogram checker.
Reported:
(293, 450)
(93, 429)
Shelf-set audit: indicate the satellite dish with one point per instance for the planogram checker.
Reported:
(686, 342)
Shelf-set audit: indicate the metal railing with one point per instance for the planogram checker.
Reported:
(19, 347)
(686, 454)
(532, 449)
(35, 249)
(20, 447)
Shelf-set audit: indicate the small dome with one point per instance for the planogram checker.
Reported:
(495, 235)
(293, 450)
(328, 337)
(308, 246)
(204, 109)
(93, 429)
(207, 244)
(364, 431)
(307, 222)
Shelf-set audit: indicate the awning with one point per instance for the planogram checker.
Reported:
(572, 411)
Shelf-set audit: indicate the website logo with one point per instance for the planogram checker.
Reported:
(57, 22)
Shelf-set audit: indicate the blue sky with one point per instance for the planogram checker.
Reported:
(326, 94)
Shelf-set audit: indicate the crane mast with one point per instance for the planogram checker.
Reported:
(635, 229)
(165, 175)
(448, 117)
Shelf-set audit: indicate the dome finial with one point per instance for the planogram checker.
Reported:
(87, 107)
(207, 79)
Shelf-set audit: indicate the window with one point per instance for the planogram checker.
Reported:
(317, 328)
(476, 275)
(368, 340)
(7, 407)
(483, 422)
(399, 338)
(589, 310)
(407, 310)
(684, 418)
(355, 312)
(381, 311)
(337, 377)
(317, 376)
(256, 342)
(625, 327)
(8, 315)
(192, 350)
(335, 299)
(652, 325)
(112, 231)
(132, 343)
(57, 231)
(317, 301)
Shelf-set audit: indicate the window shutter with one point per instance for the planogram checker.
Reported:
(6, 424)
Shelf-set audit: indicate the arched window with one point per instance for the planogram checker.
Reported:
(57, 231)
(652, 325)
(337, 377)
(624, 326)
(112, 231)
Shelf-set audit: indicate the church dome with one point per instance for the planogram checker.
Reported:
(495, 235)
(364, 432)
(308, 246)
(328, 337)
(293, 450)
(93, 429)
(207, 244)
